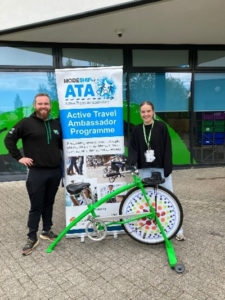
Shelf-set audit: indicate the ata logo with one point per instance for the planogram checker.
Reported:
(101, 88)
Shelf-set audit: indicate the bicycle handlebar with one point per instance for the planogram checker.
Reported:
(155, 178)
(133, 169)
(113, 174)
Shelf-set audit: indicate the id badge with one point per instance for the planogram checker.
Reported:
(149, 155)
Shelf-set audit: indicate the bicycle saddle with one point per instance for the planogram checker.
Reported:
(76, 188)
(155, 179)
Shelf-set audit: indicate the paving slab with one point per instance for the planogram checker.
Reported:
(123, 268)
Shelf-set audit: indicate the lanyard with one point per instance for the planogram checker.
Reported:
(147, 140)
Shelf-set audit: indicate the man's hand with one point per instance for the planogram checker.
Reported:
(26, 161)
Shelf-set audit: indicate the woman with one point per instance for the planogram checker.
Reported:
(151, 150)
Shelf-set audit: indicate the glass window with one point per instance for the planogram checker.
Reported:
(25, 56)
(160, 58)
(92, 57)
(211, 58)
(17, 91)
(209, 119)
(170, 94)
(209, 92)
(168, 91)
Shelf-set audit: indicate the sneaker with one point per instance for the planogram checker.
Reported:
(180, 237)
(48, 235)
(30, 245)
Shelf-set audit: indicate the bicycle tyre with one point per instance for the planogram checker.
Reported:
(104, 172)
(169, 212)
(112, 178)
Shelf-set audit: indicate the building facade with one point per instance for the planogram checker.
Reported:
(168, 57)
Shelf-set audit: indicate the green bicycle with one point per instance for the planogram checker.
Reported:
(149, 213)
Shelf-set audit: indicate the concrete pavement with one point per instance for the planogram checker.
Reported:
(118, 269)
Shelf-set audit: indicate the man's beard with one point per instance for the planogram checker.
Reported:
(42, 113)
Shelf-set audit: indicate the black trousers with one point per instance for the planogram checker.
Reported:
(42, 186)
(73, 163)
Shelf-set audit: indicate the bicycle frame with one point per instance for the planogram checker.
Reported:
(137, 182)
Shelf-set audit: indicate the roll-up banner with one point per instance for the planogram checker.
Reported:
(91, 115)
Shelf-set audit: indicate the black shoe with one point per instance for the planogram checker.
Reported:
(30, 245)
(48, 235)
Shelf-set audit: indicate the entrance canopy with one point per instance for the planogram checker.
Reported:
(129, 22)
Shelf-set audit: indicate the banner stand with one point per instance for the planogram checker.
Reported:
(91, 115)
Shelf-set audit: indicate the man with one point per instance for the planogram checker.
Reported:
(110, 190)
(42, 143)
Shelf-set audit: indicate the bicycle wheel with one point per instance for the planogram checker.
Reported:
(112, 178)
(145, 230)
(104, 172)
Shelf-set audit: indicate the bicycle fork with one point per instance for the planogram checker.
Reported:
(171, 255)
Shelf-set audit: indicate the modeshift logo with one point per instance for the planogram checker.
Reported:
(78, 80)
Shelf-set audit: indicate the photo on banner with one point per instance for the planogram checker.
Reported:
(91, 115)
